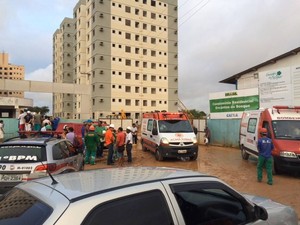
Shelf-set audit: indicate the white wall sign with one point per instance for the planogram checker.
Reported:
(275, 87)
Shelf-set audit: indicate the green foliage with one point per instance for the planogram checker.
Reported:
(43, 110)
(196, 114)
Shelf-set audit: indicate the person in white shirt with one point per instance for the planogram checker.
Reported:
(134, 133)
(128, 142)
(22, 120)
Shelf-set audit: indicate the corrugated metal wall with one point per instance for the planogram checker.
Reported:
(224, 132)
(10, 127)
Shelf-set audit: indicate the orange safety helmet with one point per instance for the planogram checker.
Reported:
(263, 130)
(91, 128)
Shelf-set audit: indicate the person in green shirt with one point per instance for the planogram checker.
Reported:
(91, 141)
(100, 131)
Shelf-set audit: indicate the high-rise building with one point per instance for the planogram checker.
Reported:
(63, 41)
(12, 72)
(126, 50)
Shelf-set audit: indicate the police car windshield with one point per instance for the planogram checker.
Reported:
(171, 126)
(22, 153)
(286, 129)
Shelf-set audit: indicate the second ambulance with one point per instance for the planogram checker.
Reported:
(283, 126)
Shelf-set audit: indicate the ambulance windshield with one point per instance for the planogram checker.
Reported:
(171, 126)
(286, 129)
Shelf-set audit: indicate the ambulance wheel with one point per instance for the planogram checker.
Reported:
(275, 170)
(143, 146)
(245, 155)
(158, 156)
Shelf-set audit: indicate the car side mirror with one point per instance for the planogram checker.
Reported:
(154, 131)
(260, 212)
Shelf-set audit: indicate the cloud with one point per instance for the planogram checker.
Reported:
(43, 74)
(217, 39)
(41, 99)
(227, 37)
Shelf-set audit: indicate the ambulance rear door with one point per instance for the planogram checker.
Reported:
(250, 143)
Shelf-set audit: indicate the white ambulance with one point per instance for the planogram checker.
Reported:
(283, 126)
(168, 135)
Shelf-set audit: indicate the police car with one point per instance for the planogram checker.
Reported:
(24, 159)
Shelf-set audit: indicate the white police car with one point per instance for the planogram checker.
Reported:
(23, 159)
(137, 196)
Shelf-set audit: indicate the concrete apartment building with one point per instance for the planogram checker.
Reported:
(11, 99)
(12, 72)
(125, 50)
(63, 40)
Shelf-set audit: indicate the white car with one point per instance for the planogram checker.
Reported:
(137, 196)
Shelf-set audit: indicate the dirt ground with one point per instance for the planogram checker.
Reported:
(227, 164)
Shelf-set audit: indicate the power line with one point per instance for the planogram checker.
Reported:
(194, 12)
(193, 8)
(183, 4)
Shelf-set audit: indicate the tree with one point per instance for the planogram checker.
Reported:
(43, 110)
(197, 114)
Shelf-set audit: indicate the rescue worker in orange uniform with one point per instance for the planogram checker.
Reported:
(109, 143)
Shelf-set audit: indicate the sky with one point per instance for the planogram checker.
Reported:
(217, 39)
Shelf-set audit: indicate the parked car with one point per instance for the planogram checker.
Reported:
(23, 159)
(136, 196)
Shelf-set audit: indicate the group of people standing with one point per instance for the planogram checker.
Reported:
(32, 121)
(97, 137)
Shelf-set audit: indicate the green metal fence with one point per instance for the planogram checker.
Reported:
(224, 132)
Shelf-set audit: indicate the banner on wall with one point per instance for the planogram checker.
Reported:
(231, 104)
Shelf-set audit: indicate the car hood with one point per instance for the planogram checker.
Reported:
(278, 214)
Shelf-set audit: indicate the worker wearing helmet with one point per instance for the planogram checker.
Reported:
(91, 142)
(265, 147)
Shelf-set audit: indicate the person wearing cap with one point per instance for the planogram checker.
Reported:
(128, 142)
(265, 147)
(91, 142)
(109, 142)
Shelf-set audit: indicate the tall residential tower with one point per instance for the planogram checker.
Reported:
(126, 50)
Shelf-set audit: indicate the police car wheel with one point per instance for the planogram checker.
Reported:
(193, 158)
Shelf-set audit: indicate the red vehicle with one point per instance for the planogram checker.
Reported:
(77, 128)
(283, 126)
